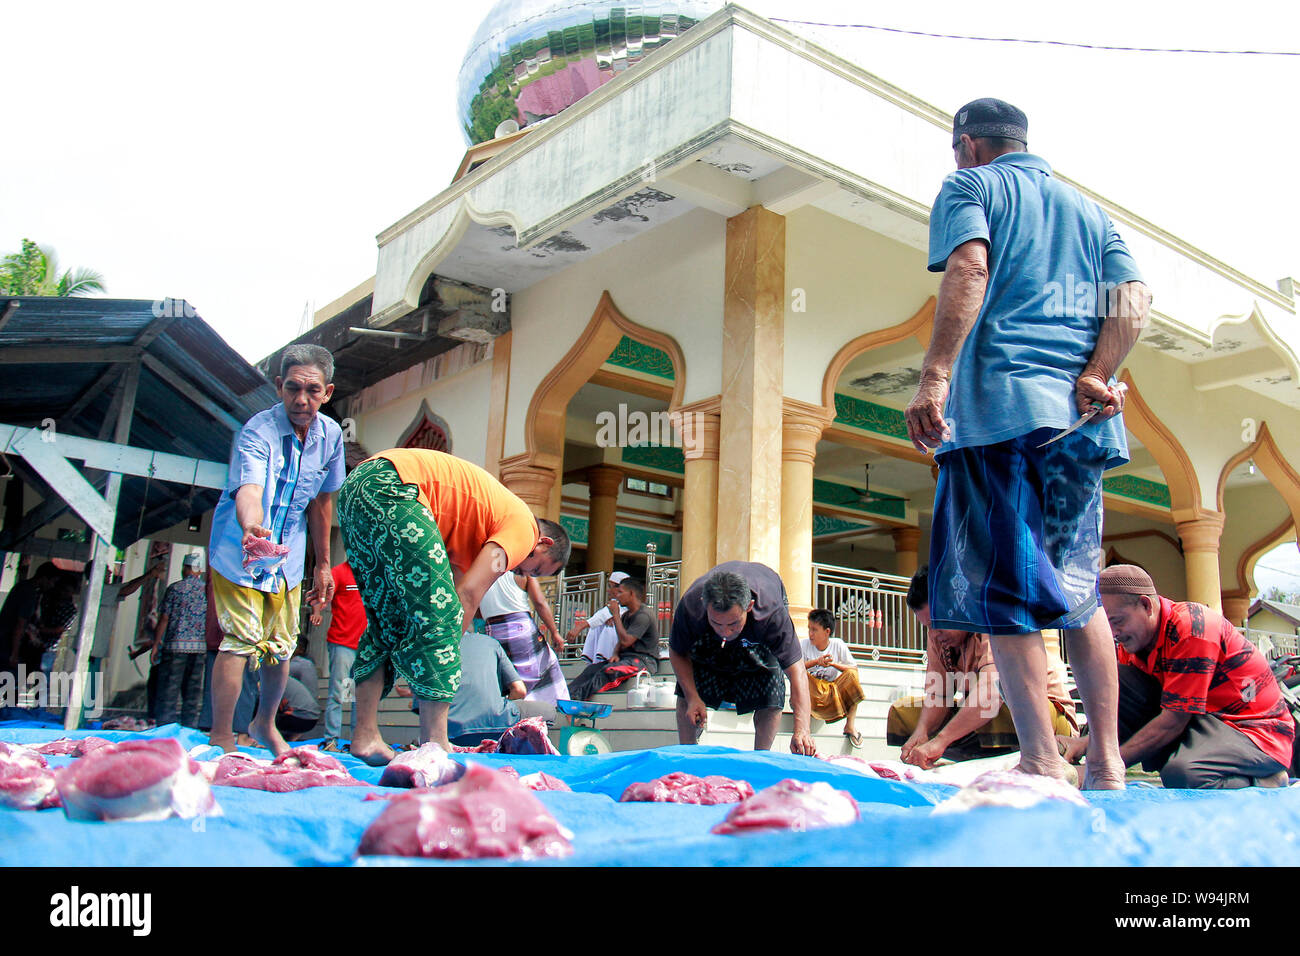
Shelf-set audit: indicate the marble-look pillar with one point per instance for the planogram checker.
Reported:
(906, 542)
(1200, 537)
(801, 428)
(753, 369)
(698, 426)
(603, 484)
(532, 483)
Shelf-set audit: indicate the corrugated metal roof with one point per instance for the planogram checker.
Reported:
(62, 359)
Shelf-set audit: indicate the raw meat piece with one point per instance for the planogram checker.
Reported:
(543, 781)
(483, 814)
(1010, 788)
(263, 554)
(883, 769)
(527, 737)
(484, 747)
(792, 805)
(27, 786)
(72, 746)
(298, 769)
(681, 787)
(136, 780)
(20, 755)
(26, 783)
(134, 724)
(428, 766)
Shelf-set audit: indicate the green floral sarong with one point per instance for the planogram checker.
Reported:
(404, 576)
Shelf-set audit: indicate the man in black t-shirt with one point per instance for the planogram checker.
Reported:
(637, 648)
(733, 640)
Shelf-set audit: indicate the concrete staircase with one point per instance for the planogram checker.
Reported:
(646, 728)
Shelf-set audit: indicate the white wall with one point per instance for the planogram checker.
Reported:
(851, 281)
(461, 399)
(670, 280)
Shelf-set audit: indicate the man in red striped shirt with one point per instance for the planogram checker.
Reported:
(1197, 701)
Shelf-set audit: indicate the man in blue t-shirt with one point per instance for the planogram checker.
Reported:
(1039, 304)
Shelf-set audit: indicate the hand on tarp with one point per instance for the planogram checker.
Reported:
(801, 742)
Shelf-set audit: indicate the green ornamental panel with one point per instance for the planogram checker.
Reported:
(639, 357)
(1137, 489)
(825, 524)
(662, 457)
(626, 537)
(870, 417)
(846, 496)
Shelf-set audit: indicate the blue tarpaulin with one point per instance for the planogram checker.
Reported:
(322, 826)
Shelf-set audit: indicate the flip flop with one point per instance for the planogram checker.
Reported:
(855, 738)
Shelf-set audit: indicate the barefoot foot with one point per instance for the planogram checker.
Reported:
(376, 754)
(269, 737)
(226, 742)
(1102, 778)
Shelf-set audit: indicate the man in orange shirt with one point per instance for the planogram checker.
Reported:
(426, 535)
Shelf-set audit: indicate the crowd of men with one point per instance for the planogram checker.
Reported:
(1017, 401)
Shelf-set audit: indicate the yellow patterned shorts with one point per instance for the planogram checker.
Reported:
(262, 627)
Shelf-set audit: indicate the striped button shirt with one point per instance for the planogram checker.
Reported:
(268, 452)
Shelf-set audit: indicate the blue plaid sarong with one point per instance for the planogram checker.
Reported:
(1015, 545)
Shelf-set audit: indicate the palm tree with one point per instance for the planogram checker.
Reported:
(35, 271)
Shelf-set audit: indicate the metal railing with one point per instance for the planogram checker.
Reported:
(662, 587)
(871, 613)
(1273, 644)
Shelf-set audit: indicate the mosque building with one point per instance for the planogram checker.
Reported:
(659, 220)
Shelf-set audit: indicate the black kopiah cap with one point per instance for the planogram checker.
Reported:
(990, 117)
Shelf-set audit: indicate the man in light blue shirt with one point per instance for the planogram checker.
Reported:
(284, 467)
(1039, 304)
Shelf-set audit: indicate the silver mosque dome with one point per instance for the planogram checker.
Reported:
(529, 59)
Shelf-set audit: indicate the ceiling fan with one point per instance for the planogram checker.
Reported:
(868, 497)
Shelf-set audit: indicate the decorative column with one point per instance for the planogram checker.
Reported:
(906, 542)
(1236, 605)
(532, 483)
(603, 484)
(698, 427)
(1200, 537)
(801, 428)
(753, 368)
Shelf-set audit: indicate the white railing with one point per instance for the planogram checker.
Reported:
(1273, 644)
(871, 613)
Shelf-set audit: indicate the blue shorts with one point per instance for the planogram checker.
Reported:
(1015, 546)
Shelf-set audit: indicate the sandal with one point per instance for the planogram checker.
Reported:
(855, 738)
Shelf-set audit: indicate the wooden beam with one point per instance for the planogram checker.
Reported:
(189, 392)
(9, 311)
(67, 354)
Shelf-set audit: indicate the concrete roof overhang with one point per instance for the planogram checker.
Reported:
(742, 112)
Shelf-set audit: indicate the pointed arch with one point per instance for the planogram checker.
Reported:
(1250, 557)
(1174, 462)
(920, 325)
(1274, 466)
(545, 422)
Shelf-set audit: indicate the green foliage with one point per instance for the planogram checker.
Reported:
(35, 271)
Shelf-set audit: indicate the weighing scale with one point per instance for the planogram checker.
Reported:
(581, 738)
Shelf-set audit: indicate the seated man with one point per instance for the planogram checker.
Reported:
(933, 726)
(484, 706)
(733, 640)
(832, 674)
(1197, 701)
(601, 636)
(637, 648)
